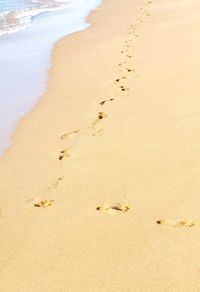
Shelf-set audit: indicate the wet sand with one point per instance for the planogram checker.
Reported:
(100, 191)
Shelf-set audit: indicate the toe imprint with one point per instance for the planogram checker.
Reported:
(102, 115)
(123, 88)
(63, 154)
(182, 223)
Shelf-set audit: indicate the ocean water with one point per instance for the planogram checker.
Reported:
(28, 32)
(16, 15)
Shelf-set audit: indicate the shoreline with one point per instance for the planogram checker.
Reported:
(100, 190)
(34, 64)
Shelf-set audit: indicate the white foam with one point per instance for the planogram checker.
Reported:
(13, 21)
(25, 59)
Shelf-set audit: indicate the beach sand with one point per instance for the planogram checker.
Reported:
(100, 190)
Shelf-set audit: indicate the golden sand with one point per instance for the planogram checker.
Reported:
(111, 148)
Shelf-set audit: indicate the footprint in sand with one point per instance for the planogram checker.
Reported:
(123, 88)
(118, 207)
(66, 135)
(182, 223)
(120, 64)
(129, 56)
(98, 132)
(63, 154)
(102, 116)
(129, 70)
(44, 203)
(106, 100)
(119, 79)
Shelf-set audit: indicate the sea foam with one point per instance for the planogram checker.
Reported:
(18, 17)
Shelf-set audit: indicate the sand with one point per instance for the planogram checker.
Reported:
(100, 190)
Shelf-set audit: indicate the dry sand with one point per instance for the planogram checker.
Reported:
(110, 169)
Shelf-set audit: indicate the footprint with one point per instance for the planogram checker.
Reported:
(118, 80)
(98, 132)
(121, 64)
(66, 135)
(54, 185)
(105, 101)
(163, 222)
(63, 153)
(123, 88)
(182, 223)
(102, 115)
(129, 56)
(187, 223)
(44, 203)
(114, 208)
(129, 70)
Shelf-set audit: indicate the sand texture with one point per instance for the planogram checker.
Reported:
(100, 191)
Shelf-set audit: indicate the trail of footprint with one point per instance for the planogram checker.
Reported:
(117, 207)
(101, 115)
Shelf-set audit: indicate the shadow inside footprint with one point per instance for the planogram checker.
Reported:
(123, 88)
(44, 203)
(105, 101)
(66, 135)
(102, 115)
(118, 79)
(118, 207)
(129, 70)
(63, 154)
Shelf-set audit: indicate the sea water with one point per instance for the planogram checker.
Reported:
(28, 32)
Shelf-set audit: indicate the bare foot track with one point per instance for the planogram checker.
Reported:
(44, 203)
(117, 207)
(181, 223)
